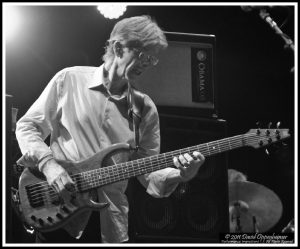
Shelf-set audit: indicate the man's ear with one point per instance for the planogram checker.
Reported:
(118, 48)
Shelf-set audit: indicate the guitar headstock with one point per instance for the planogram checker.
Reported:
(258, 138)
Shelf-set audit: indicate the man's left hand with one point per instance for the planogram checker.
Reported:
(188, 165)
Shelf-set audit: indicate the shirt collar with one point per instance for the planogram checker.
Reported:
(98, 83)
(98, 78)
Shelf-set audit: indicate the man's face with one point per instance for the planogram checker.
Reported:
(135, 61)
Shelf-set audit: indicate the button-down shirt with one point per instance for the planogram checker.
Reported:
(83, 118)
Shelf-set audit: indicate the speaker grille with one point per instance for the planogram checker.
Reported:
(158, 214)
(200, 212)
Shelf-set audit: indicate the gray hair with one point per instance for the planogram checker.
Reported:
(136, 32)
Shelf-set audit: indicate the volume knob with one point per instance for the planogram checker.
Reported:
(65, 209)
(33, 217)
(59, 216)
(49, 219)
(41, 221)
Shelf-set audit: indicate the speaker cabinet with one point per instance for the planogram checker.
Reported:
(197, 211)
(185, 74)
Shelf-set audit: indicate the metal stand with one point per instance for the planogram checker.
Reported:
(289, 44)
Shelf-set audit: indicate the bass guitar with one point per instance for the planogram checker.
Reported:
(42, 208)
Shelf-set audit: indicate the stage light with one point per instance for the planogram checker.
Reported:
(12, 22)
(112, 11)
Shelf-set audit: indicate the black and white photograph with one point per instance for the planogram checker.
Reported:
(149, 124)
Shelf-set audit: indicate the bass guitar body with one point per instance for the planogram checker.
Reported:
(43, 209)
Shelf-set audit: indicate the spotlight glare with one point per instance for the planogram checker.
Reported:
(12, 22)
(112, 11)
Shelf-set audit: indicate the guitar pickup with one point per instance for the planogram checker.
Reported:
(35, 195)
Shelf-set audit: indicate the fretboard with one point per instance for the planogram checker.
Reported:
(118, 172)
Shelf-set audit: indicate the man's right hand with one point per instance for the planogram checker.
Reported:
(59, 179)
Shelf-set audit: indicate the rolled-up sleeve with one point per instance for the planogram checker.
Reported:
(156, 183)
(37, 123)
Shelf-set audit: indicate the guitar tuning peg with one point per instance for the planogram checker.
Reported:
(258, 124)
(278, 124)
(258, 127)
(269, 125)
(267, 152)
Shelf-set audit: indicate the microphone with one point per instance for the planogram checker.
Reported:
(248, 8)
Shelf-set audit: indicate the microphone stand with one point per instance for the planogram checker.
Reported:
(289, 44)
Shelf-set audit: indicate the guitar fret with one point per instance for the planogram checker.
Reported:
(229, 144)
(131, 169)
(125, 169)
(87, 177)
(115, 171)
(161, 162)
(218, 145)
(212, 148)
(145, 167)
(119, 171)
(152, 168)
(155, 159)
(108, 175)
(91, 177)
(135, 166)
(139, 165)
(165, 160)
(94, 178)
(147, 162)
(207, 146)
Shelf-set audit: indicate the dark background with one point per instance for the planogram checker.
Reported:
(253, 75)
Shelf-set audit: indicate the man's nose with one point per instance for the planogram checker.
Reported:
(145, 63)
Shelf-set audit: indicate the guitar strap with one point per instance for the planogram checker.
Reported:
(135, 101)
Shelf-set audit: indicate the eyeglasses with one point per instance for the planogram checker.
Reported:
(142, 56)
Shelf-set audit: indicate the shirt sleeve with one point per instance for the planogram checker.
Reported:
(37, 123)
(156, 182)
